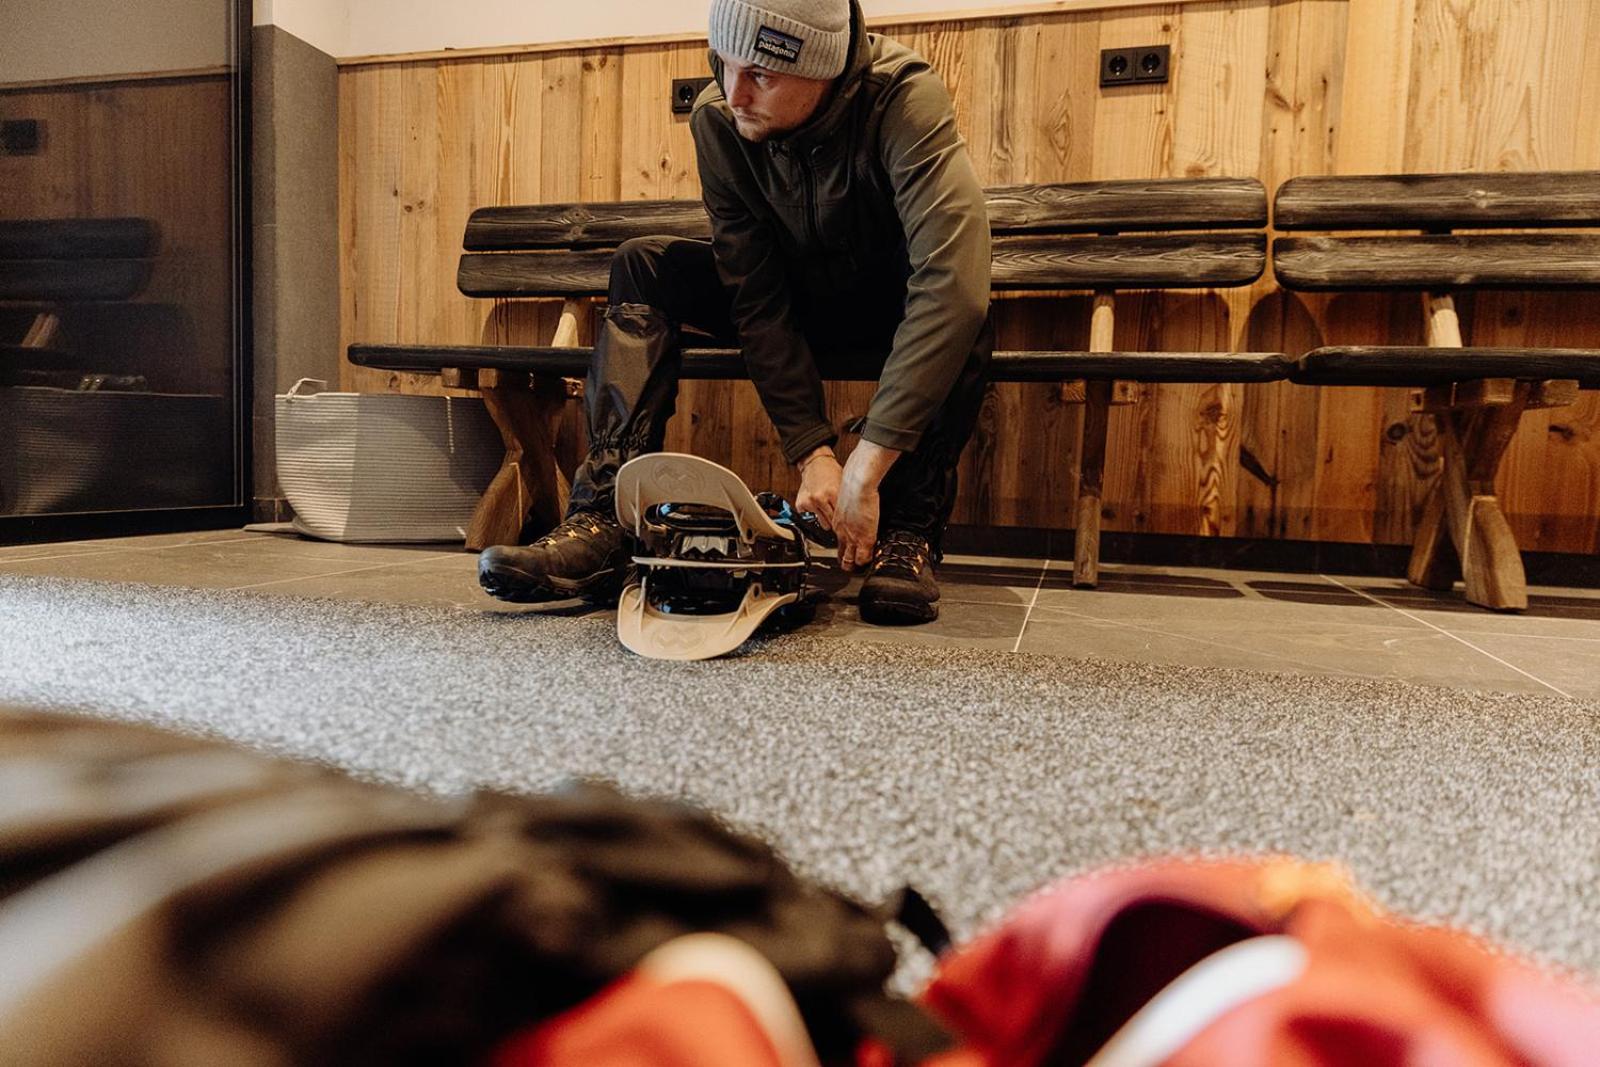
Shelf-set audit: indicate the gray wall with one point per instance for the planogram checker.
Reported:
(296, 230)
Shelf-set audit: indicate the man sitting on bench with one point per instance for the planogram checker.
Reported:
(848, 226)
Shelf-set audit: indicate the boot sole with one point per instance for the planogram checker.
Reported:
(899, 612)
(518, 586)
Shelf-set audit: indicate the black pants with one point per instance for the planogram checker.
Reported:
(661, 283)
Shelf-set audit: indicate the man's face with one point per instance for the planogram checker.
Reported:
(768, 104)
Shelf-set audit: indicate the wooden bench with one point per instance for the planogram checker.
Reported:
(50, 265)
(1476, 395)
(1099, 236)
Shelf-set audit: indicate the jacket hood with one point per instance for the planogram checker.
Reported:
(837, 102)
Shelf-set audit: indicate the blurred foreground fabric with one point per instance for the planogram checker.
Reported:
(168, 901)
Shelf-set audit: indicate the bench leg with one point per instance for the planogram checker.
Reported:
(1475, 439)
(1491, 564)
(1433, 556)
(529, 490)
(1086, 559)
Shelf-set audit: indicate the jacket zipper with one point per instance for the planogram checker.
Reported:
(811, 204)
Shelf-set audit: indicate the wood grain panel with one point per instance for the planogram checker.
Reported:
(1426, 201)
(1267, 89)
(1440, 261)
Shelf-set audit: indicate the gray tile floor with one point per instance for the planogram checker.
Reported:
(1299, 623)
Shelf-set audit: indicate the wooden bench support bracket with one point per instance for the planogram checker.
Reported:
(530, 491)
(1092, 456)
(1463, 530)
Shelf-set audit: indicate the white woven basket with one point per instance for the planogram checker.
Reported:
(384, 467)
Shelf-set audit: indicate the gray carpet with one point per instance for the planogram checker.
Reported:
(975, 776)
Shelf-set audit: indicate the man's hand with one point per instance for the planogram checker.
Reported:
(820, 475)
(855, 517)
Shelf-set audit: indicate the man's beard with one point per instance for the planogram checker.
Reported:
(751, 130)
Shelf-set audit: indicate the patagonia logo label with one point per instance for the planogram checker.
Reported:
(778, 45)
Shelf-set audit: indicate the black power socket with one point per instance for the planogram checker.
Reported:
(20, 137)
(1135, 66)
(685, 91)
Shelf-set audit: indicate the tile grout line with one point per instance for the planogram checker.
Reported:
(123, 548)
(339, 574)
(1044, 570)
(1454, 637)
(1304, 666)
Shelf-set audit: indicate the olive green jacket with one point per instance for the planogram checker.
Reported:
(877, 184)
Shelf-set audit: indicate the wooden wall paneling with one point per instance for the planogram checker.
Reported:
(518, 86)
(1502, 86)
(998, 122)
(995, 106)
(1133, 138)
(603, 128)
(1277, 422)
(352, 116)
(1549, 481)
(1133, 124)
(1370, 139)
(1220, 64)
(1529, 106)
(1477, 73)
(1376, 90)
(1220, 104)
(1410, 449)
(1065, 99)
(657, 161)
(1058, 145)
(369, 187)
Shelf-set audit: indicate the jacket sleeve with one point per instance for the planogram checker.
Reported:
(776, 353)
(946, 221)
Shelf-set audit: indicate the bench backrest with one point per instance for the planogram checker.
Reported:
(1041, 238)
(71, 260)
(1439, 259)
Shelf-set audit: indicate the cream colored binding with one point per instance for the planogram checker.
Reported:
(675, 478)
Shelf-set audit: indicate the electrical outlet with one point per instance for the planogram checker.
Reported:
(20, 137)
(684, 93)
(1148, 65)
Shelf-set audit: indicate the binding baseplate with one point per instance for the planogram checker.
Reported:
(716, 562)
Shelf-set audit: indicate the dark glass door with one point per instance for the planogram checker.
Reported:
(123, 266)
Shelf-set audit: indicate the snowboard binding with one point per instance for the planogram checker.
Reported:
(717, 563)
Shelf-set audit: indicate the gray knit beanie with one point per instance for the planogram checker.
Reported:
(806, 38)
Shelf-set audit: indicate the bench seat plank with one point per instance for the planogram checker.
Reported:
(724, 363)
(1132, 261)
(1108, 207)
(1439, 201)
(1441, 261)
(63, 280)
(129, 238)
(1075, 207)
(491, 229)
(1422, 366)
(535, 274)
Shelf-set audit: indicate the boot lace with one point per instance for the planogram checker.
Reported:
(901, 554)
(579, 525)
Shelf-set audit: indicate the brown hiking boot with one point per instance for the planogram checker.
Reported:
(585, 556)
(900, 590)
